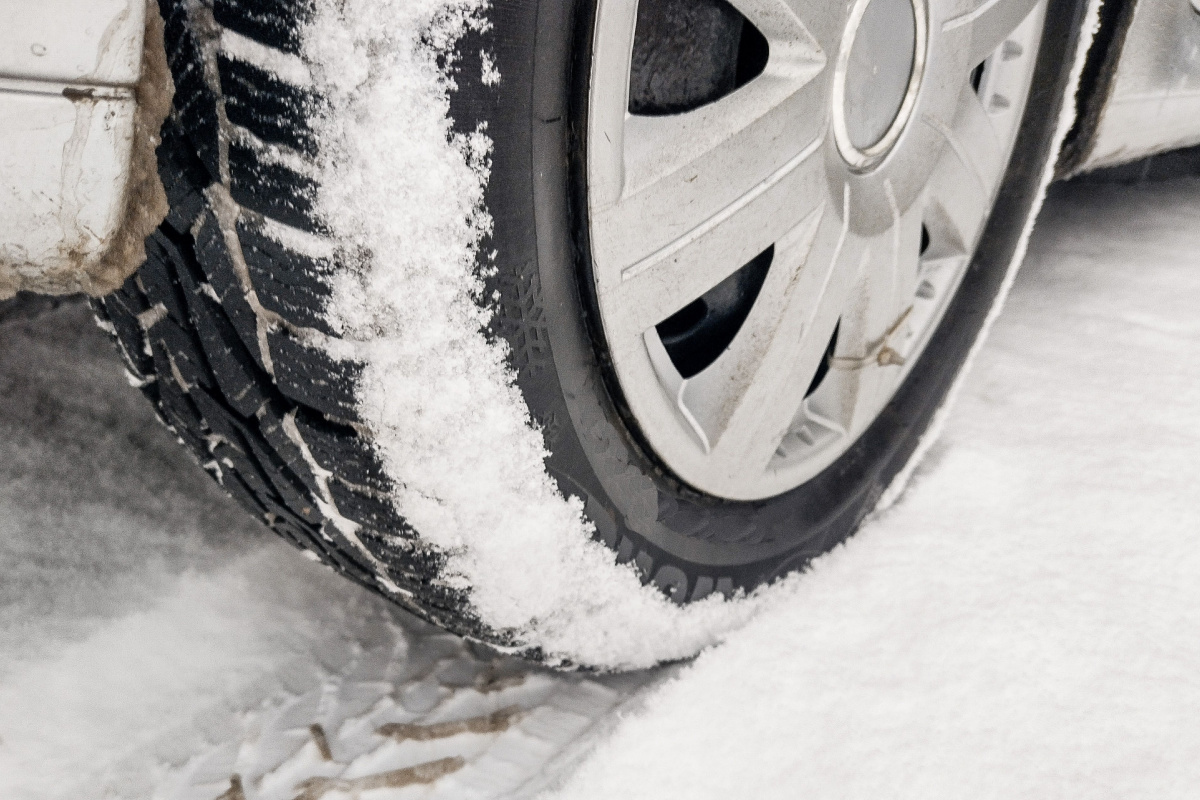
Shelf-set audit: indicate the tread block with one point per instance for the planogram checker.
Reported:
(289, 488)
(295, 536)
(232, 483)
(270, 422)
(440, 596)
(310, 376)
(212, 252)
(235, 372)
(410, 558)
(127, 336)
(291, 284)
(218, 420)
(272, 189)
(341, 450)
(195, 102)
(348, 552)
(174, 16)
(397, 554)
(276, 23)
(158, 275)
(273, 110)
(185, 199)
(130, 297)
(181, 349)
(242, 436)
(187, 272)
(373, 512)
(277, 511)
(307, 539)
(121, 308)
(177, 409)
(231, 458)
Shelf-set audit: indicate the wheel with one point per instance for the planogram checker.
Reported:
(688, 277)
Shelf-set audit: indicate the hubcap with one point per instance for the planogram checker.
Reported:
(772, 250)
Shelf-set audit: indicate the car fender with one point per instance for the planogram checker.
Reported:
(84, 88)
(1142, 96)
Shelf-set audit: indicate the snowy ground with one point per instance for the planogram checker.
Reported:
(1023, 623)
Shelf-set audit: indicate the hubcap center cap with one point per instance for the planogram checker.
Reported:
(878, 75)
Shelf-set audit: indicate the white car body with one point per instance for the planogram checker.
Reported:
(69, 112)
(1153, 101)
(82, 92)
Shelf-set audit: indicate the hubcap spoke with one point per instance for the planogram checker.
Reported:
(766, 408)
(645, 291)
(705, 158)
(875, 325)
(633, 154)
(969, 170)
(715, 394)
(986, 22)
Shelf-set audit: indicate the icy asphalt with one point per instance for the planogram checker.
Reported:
(1024, 622)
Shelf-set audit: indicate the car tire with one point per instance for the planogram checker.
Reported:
(274, 419)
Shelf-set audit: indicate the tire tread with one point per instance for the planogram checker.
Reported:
(274, 428)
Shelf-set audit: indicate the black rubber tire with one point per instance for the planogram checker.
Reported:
(273, 419)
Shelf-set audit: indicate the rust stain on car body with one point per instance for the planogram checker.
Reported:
(75, 95)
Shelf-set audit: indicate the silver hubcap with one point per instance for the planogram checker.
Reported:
(845, 185)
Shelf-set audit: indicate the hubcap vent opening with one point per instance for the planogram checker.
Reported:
(689, 53)
(826, 363)
(696, 335)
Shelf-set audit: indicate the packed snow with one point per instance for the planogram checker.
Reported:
(155, 640)
(1021, 623)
